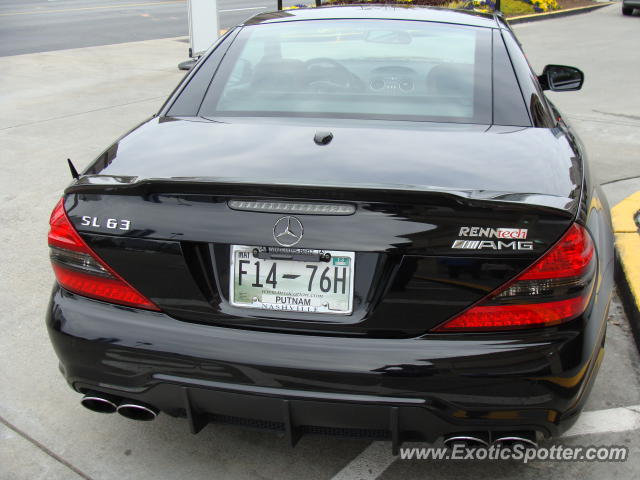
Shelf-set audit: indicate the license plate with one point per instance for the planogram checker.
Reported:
(292, 280)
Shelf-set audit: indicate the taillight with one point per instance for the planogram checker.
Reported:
(555, 289)
(79, 270)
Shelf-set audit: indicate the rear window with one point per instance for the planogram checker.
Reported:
(371, 69)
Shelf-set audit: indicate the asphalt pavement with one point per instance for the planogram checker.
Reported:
(29, 26)
(48, 115)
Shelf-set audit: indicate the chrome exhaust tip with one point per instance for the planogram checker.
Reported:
(528, 439)
(137, 411)
(97, 402)
(470, 440)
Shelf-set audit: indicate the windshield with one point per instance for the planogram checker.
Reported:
(371, 69)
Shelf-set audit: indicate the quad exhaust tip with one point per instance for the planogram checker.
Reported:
(97, 402)
(137, 411)
(104, 403)
(528, 439)
(471, 440)
(482, 439)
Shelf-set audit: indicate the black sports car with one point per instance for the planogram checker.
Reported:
(360, 220)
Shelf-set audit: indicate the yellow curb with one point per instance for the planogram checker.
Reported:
(628, 245)
(566, 11)
(622, 215)
(628, 242)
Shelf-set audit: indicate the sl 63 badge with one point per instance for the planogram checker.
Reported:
(109, 223)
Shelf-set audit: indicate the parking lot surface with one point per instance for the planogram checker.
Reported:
(74, 103)
(28, 26)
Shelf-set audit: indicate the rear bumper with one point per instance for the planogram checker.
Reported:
(398, 389)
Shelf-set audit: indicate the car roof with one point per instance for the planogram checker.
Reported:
(386, 12)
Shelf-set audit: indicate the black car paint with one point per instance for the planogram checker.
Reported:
(388, 379)
(404, 259)
(531, 160)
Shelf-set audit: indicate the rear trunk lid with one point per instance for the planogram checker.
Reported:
(442, 216)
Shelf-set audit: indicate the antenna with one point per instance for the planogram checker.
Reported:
(74, 172)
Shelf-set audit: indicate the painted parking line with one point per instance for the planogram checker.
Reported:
(370, 464)
(377, 457)
(243, 9)
(613, 420)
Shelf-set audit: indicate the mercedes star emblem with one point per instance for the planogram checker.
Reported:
(288, 231)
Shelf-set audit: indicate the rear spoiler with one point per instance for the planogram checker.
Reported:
(242, 187)
(493, 5)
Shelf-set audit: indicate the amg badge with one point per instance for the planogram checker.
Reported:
(491, 245)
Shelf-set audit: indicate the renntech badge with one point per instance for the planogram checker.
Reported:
(486, 232)
(512, 239)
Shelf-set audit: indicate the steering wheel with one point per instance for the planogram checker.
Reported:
(323, 74)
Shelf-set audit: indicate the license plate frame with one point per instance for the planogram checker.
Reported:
(287, 295)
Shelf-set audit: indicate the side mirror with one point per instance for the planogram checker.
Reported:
(560, 78)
